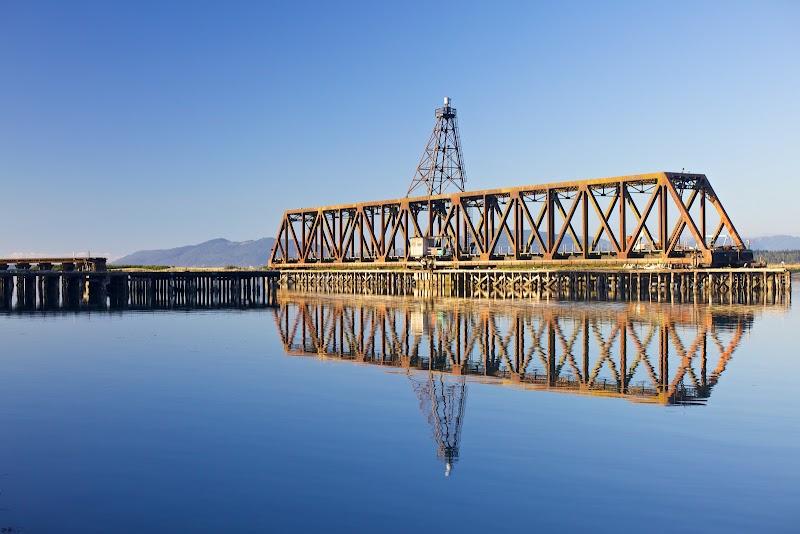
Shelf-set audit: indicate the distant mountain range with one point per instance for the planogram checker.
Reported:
(775, 242)
(214, 253)
(222, 252)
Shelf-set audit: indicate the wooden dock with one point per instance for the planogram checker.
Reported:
(52, 283)
(31, 289)
(707, 285)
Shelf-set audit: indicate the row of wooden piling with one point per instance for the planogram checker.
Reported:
(377, 282)
(684, 284)
(31, 289)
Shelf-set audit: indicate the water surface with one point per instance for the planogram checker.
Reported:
(400, 414)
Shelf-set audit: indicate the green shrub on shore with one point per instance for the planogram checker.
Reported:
(139, 267)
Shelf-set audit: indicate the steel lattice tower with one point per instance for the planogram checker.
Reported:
(441, 162)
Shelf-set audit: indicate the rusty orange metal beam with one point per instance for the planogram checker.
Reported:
(496, 226)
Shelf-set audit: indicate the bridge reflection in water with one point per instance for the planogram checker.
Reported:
(653, 353)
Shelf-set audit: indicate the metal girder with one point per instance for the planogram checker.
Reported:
(647, 218)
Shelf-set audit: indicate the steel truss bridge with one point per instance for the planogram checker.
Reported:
(660, 218)
(654, 353)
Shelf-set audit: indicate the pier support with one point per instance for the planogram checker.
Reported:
(49, 294)
(661, 286)
(6, 290)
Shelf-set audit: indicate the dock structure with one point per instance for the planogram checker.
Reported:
(197, 289)
(43, 287)
(73, 263)
(699, 285)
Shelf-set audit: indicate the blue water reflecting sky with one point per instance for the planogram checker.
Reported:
(200, 422)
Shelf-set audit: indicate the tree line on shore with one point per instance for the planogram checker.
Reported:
(777, 256)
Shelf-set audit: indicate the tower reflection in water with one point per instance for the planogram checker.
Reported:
(661, 354)
(442, 399)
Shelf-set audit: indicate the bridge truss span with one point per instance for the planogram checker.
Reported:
(658, 218)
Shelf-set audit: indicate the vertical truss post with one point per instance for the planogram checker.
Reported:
(518, 237)
(623, 231)
(551, 224)
(585, 230)
(486, 215)
(703, 230)
(662, 217)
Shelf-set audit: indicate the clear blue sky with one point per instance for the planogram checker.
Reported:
(128, 125)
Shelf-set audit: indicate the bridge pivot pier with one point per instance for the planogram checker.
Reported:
(746, 285)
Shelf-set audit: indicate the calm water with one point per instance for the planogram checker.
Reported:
(397, 415)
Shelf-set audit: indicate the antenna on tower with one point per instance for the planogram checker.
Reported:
(441, 162)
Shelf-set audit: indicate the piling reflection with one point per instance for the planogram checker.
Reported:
(660, 354)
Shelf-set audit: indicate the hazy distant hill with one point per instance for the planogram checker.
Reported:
(214, 253)
(775, 242)
(222, 252)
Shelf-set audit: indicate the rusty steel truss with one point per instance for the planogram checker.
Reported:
(658, 218)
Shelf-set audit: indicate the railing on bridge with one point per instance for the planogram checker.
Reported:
(659, 218)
